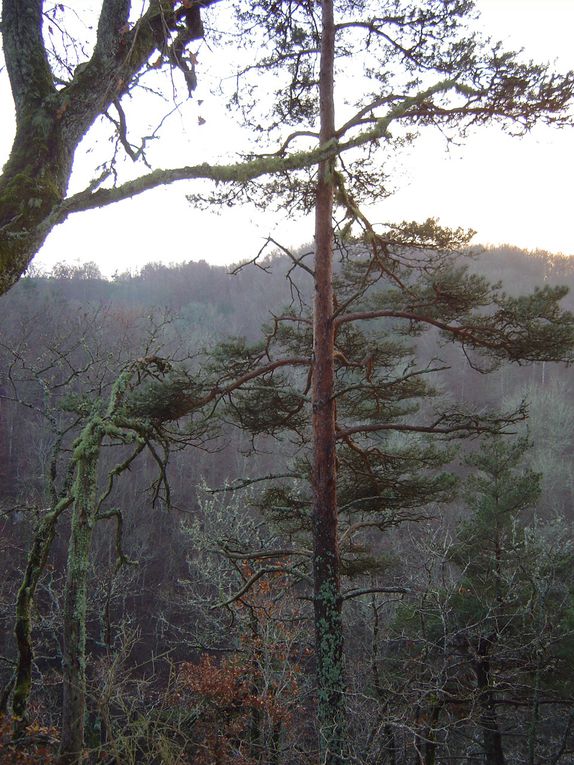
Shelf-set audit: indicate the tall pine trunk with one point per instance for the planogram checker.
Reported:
(327, 591)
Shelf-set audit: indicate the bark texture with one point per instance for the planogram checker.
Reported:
(37, 557)
(491, 735)
(51, 121)
(327, 588)
(74, 653)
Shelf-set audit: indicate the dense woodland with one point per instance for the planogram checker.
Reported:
(458, 590)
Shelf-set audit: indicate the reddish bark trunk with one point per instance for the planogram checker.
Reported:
(327, 601)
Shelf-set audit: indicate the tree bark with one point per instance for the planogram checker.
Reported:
(51, 122)
(41, 545)
(327, 589)
(491, 736)
(430, 748)
(74, 654)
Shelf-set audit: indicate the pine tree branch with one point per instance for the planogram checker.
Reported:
(242, 172)
(474, 425)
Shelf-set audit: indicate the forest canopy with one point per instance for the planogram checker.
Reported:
(136, 613)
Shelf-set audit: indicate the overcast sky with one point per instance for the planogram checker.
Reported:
(508, 190)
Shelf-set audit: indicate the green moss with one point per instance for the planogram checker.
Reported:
(329, 647)
(89, 442)
(20, 698)
(26, 199)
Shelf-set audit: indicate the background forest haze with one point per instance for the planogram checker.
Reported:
(171, 668)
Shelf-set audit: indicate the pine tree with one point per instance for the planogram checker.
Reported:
(403, 45)
(390, 421)
(488, 643)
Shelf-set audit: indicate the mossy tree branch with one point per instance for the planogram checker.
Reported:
(36, 561)
(136, 413)
(51, 122)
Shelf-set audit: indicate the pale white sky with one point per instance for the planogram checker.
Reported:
(510, 190)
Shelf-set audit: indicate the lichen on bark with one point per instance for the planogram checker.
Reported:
(41, 545)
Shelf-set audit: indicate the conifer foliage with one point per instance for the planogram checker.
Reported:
(445, 77)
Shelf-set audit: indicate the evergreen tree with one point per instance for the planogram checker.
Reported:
(491, 648)
(420, 65)
(488, 552)
(404, 47)
(389, 420)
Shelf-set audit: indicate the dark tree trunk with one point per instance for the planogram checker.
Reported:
(430, 735)
(327, 594)
(389, 747)
(51, 122)
(7, 473)
(491, 736)
(41, 545)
